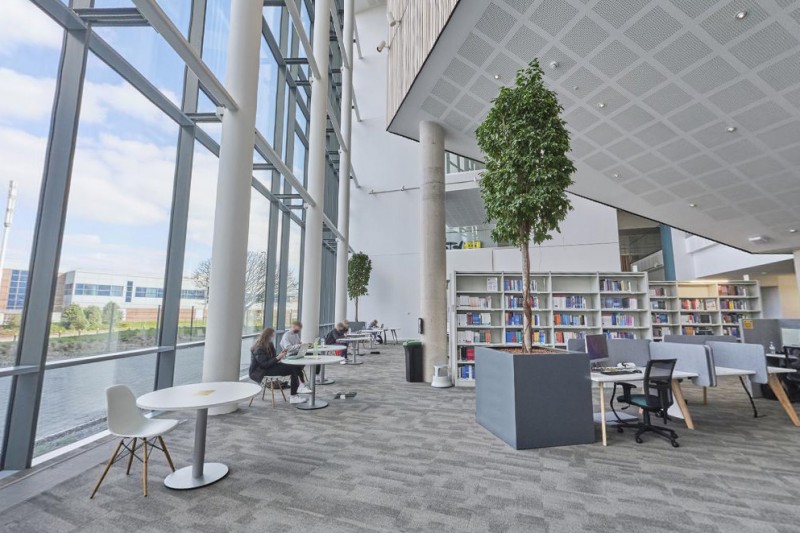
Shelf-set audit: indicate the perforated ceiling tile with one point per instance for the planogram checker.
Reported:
(580, 119)
(641, 79)
(470, 106)
(519, 5)
(584, 37)
(738, 193)
(495, 22)
(795, 15)
(445, 90)
(782, 74)
(782, 135)
(786, 3)
(564, 63)
(623, 173)
(433, 107)
(626, 148)
(739, 95)
(720, 214)
(678, 150)
(612, 99)
(758, 204)
(653, 28)
(762, 116)
(668, 99)
(720, 178)
(584, 80)
(659, 197)
(604, 134)
(692, 8)
(763, 166)
(504, 66)
(791, 200)
(655, 135)
(633, 118)
(526, 44)
(457, 120)
(692, 117)
(699, 164)
(792, 156)
(459, 72)
(668, 176)
(764, 45)
(485, 89)
(553, 15)
(600, 161)
(475, 50)
(687, 190)
(771, 218)
(580, 147)
(640, 186)
(780, 183)
(715, 134)
(710, 75)
(647, 162)
(738, 151)
(618, 13)
(683, 52)
(613, 59)
(723, 25)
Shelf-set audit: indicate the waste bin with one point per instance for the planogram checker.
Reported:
(413, 361)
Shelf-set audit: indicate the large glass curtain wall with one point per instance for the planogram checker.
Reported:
(108, 116)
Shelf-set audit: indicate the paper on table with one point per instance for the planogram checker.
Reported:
(206, 392)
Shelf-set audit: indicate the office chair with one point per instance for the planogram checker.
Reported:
(657, 399)
(792, 381)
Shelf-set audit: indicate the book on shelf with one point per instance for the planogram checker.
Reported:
(658, 304)
(732, 330)
(616, 285)
(474, 319)
(515, 285)
(618, 319)
(693, 304)
(660, 318)
(731, 318)
(475, 302)
(732, 290)
(658, 291)
(561, 337)
(616, 302)
(711, 304)
(739, 305)
(516, 318)
(474, 337)
(569, 302)
(619, 335)
(467, 372)
(696, 318)
(492, 284)
(691, 330)
(466, 353)
(537, 337)
(515, 302)
(568, 319)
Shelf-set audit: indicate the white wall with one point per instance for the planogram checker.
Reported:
(387, 227)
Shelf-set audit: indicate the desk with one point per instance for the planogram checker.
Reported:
(313, 361)
(197, 397)
(677, 393)
(777, 389)
(354, 340)
(724, 371)
(325, 349)
(373, 333)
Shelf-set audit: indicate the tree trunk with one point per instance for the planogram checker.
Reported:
(526, 290)
(356, 308)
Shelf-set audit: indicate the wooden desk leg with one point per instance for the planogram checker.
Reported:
(777, 389)
(705, 395)
(677, 393)
(603, 412)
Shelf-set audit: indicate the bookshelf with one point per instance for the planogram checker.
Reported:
(702, 307)
(486, 310)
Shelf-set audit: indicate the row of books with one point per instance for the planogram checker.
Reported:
(475, 302)
(697, 318)
(474, 319)
(569, 302)
(659, 291)
(731, 318)
(733, 330)
(515, 302)
(619, 335)
(658, 304)
(732, 290)
(618, 319)
(467, 372)
(564, 319)
(563, 336)
(660, 318)
(516, 285)
(466, 353)
(733, 304)
(474, 337)
(691, 304)
(537, 337)
(615, 285)
(518, 319)
(620, 303)
(697, 331)
(492, 284)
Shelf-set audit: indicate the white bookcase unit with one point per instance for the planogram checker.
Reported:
(486, 310)
(702, 307)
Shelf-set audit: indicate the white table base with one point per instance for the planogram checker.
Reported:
(200, 474)
(314, 403)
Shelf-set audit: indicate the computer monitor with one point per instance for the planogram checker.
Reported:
(596, 347)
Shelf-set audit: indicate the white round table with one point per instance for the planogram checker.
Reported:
(326, 349)
(357, 338)
(313, 361)
(197, 397)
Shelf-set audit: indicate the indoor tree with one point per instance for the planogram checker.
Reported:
(359, 269)
(524, 186)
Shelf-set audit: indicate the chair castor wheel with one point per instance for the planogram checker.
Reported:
(675, 444)
(639, 440)
(619, 429)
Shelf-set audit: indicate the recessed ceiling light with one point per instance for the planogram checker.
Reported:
(554, 64)
(615, 175)
(741, 14)
(692, 205)
(731, 129)
(792, 230)
(497, 76)
(575, 88)
(601, 105)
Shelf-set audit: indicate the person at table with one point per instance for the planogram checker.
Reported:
(334, 335)
(265, 362)
(377, 330)
(291, 339)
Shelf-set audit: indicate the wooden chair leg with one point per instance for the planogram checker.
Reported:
(280, 386)
(130, 457)
(108, 466)
(144, 468)
(272, 391)
(166, 452)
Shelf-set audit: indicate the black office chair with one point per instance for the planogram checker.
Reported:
(657, 399)
(792, 381)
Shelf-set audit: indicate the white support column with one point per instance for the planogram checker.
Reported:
(433, 276)
(797, 268)
(343, 245)
(312, 251)
(232, 212)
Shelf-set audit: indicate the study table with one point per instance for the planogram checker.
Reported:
(313, 361)
(602, 379)
(354, 340)
(197, 397)
(327, 348)
(772, 380)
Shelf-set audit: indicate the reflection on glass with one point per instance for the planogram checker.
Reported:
(256, 276)
(189, 363)
(293, 274)
(5, 387)
(215, 40)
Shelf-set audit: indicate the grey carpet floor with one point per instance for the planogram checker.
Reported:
(406, 457)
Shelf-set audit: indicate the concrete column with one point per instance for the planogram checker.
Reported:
(433, 276)
(343, 246)
(232, 212)
(797, 269)
(312, 271)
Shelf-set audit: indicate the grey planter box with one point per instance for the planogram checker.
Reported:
(534, 401)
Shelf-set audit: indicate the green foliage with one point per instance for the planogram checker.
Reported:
(94, 317)
(359, 269)
(111, 313)
(56, 329)
(73, 317)
(11, 322)
(525, 143)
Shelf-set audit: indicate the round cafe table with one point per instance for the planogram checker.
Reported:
(313, 361)
(327, 349)
(355, 339)
(197, 397)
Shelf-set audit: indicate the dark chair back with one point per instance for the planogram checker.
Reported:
(658, 383)
(792, 351)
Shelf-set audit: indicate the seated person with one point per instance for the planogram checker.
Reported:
(377, 330)
(291, 339)
(334, 335)
(264, 362)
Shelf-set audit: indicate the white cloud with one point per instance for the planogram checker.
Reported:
(24, 24)
(25, 97)
(91, 253)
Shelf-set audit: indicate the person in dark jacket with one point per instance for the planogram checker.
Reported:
(265, 362)
(334, 335)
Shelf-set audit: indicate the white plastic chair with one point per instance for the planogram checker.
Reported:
(125, 420)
